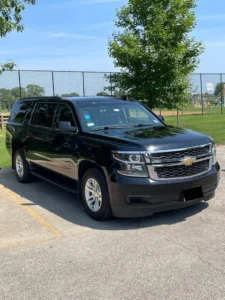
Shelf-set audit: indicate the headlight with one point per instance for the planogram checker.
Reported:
(131, 164)
(214, 160)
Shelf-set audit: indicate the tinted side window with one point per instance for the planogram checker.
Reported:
(65, 115)
(29, 113)
(19, 111)
(44, 114)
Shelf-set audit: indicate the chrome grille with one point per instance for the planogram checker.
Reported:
(168, 165)
(183, 171)
(197, 152)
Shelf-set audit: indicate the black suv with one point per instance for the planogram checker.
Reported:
(120, 157)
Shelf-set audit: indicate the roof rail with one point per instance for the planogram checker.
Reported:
(42, 97)
(123, 97)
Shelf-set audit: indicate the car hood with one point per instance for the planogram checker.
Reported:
(155, 138)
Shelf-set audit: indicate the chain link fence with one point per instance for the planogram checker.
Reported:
(19, 84)
(206, 97)
(207, 93)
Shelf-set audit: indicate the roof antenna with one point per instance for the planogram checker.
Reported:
(124, 97)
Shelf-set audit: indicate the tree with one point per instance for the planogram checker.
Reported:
(219, 89)
(118, 94)
(74, 94)
(6, 98)
(103, 93)
(155, 51)
(10, 19)
(34, 90)
(6, 94)
(16, 92)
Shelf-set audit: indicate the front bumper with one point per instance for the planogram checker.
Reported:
(139, 197)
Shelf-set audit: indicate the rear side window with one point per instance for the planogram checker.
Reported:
(43, 114)
(19, 111)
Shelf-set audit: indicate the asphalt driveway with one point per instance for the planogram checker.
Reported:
(51, 249)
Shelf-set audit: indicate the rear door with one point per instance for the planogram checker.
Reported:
(16, 126)
(40, 134)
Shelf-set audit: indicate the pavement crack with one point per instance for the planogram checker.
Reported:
(192, 252)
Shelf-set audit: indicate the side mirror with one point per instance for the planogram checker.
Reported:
(161, 118)
(66, 126)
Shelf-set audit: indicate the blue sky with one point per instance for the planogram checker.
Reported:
(63, 35)
(73, 35)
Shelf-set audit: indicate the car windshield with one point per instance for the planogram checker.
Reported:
(99, 115)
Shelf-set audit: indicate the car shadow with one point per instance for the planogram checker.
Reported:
(66, 206)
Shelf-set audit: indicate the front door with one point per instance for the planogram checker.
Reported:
(64, 145)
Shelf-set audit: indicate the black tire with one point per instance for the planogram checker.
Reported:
(26, 176)
(105, 211)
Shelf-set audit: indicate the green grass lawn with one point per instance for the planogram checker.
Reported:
(212, 111)
(4, 111)
(198, 110)
(212, 125)
(4, 156)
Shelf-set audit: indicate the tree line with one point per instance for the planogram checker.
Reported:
(9, 96)
(115, 93)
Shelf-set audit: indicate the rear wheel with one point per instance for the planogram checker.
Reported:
(22, 167)
(95, 195)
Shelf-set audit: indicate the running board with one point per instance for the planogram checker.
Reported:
(65, 183)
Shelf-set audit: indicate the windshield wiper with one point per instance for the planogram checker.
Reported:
(143, 125)
(123, 127)
(107, 127)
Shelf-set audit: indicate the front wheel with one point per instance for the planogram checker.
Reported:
(21, 167)
(95, 195)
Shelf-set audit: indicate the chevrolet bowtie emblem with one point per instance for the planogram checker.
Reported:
(188, 161)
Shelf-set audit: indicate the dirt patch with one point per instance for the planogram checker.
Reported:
(174, 113)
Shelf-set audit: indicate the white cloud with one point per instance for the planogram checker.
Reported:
(34, 52)
(5, 51)
(69, 4)
(215, 17)
(97, 26)
(98, 1)
(71, 35)
(215, 44)
(68, 62)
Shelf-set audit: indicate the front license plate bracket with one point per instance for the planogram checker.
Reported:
(193, 194)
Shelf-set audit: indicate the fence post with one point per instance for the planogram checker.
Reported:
(201, 95)
(178, 123)
(83, 84)
(222, 89)
(19, 77)
(2, 122)
(53, 84)
(110, 83)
